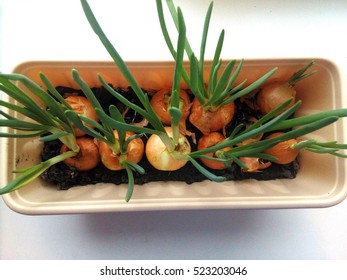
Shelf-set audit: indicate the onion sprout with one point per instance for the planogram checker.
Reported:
(46, 123)
(149, 113)
(220, 90)
(104, 132)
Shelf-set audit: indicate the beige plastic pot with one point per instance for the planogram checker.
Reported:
(321, 181)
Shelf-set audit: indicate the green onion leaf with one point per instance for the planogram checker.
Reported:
(205, 172)
(30, 174)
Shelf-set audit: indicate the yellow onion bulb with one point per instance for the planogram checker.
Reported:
(283, 151)
(83, 107)
(161, 158)
(275, 94)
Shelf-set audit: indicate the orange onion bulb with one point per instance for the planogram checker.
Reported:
(113, 161)
(283, 151)
(210, 120)
(210, 140)
(87, 158)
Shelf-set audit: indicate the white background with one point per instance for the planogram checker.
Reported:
(57, 30)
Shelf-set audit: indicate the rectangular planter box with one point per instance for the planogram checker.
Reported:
(321, 181)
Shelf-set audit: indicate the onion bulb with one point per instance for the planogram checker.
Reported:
(161, 158)
(275, 94)
(283, 151)
(88, 156)
(210, 140)
(161, 103)
(83, 107)
(115, 161)
(208, 120)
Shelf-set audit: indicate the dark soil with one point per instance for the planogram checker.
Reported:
(66, 177)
